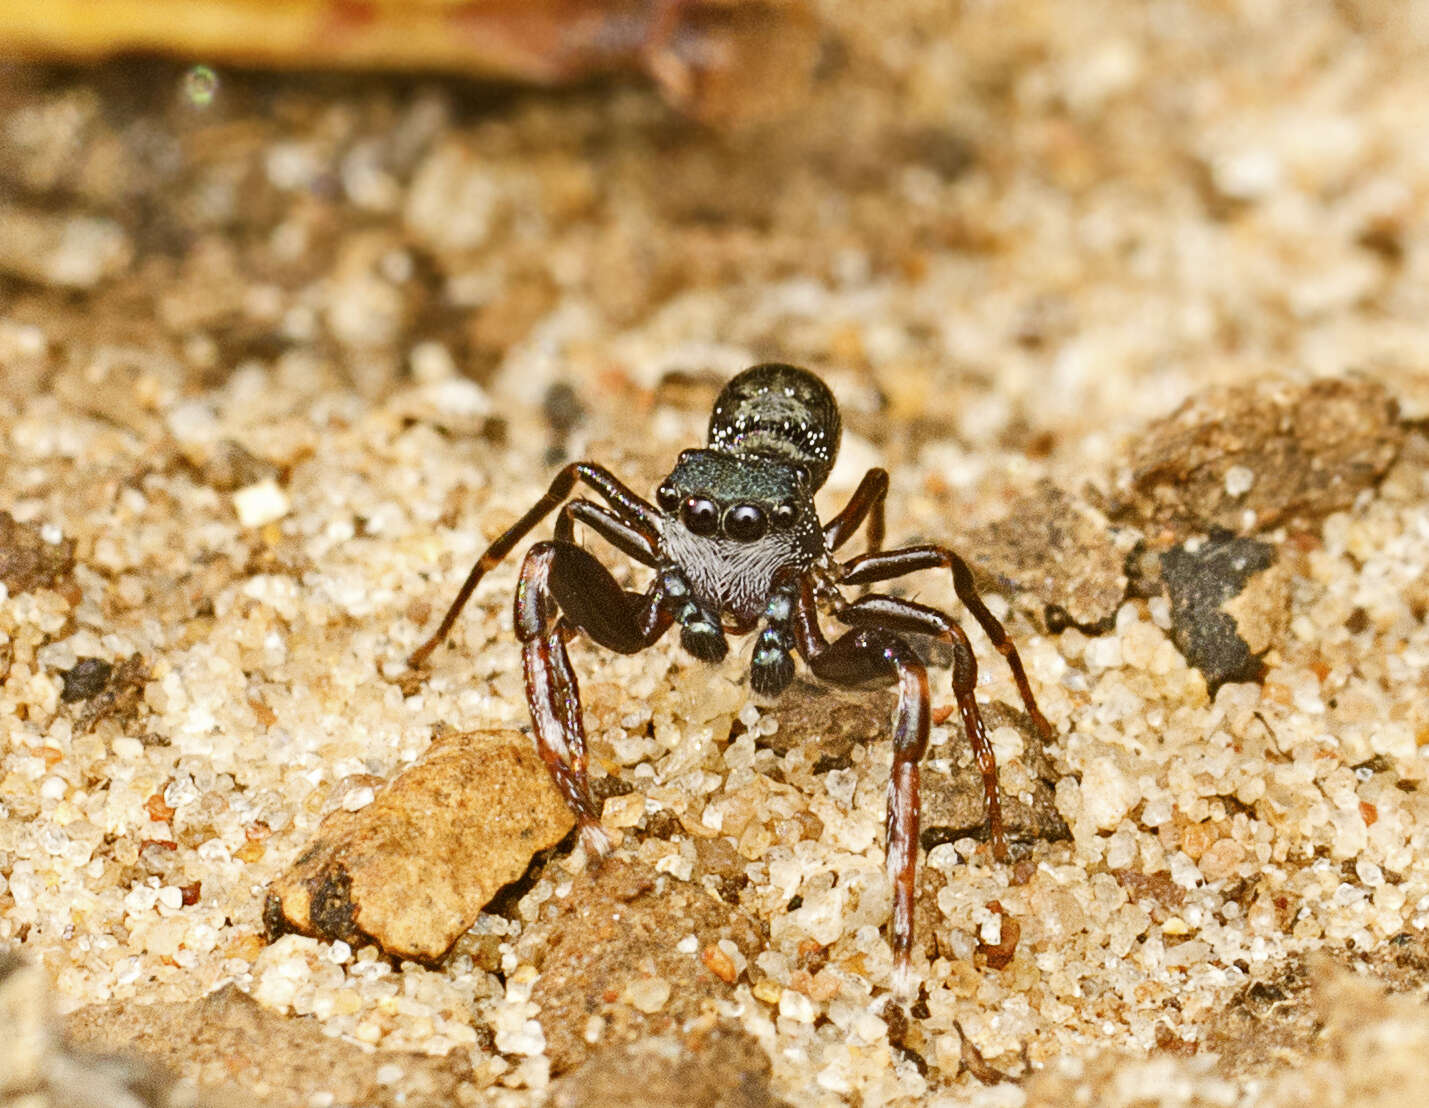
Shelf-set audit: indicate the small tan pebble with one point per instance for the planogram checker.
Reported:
(623, 811)
(719, 963)
(1196, 838)
(1222, 859)
(825, 986)
(260, 504)
(251, 851)
(1175, 926)
(819, 987)
(768, 991)
(524, 974)
(648, 994)
(1277, 693)
(413, 868)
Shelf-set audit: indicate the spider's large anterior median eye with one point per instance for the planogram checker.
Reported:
(668, 497)
(700, 516)
(745, 522)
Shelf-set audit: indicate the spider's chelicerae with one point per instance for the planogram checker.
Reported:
(736, 545)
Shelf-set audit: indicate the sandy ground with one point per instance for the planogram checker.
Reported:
(274, 369)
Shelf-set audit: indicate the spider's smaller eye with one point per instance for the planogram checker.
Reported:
(700, 516)
(745, 522)
(785, 514)
(667, 497)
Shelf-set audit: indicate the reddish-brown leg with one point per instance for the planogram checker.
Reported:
(563, 589)
(635, 518)
(866, 569)
(908, 617)
(869, 655)
(866, 503)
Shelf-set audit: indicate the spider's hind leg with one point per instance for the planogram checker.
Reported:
(564, 589)
(909, 617)
(869, 655)
(867, 569)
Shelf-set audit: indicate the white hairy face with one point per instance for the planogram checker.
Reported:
(730, 577)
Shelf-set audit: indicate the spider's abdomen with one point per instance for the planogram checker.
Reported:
(779, 411)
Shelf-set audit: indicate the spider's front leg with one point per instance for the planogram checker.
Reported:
(630, 524)
(772, 667)
(563, 590)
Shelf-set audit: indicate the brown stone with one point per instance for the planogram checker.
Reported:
(622, 925)
(835, 721)
(724, 1068)
(1309, 449)
(1061, 551)
(831, 720)
(241, 1053)
(954, 805)
(412, 870)
(28, 562)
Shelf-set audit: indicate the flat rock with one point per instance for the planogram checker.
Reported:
(1229, 605)
(41, 1068)
(1252, 456)
(953, 804)
(836, 721)
(412, 870)
(613, 951)
(831, 720)
(1060, 550)
(720, 1068)
(235, 1049)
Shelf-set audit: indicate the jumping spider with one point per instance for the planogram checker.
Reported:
(736, 545)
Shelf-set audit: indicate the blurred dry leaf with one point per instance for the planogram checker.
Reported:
(720, 60)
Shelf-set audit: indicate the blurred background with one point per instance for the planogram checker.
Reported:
(990, 219)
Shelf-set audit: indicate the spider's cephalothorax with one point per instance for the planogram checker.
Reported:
(738, 520)
(737, 546)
